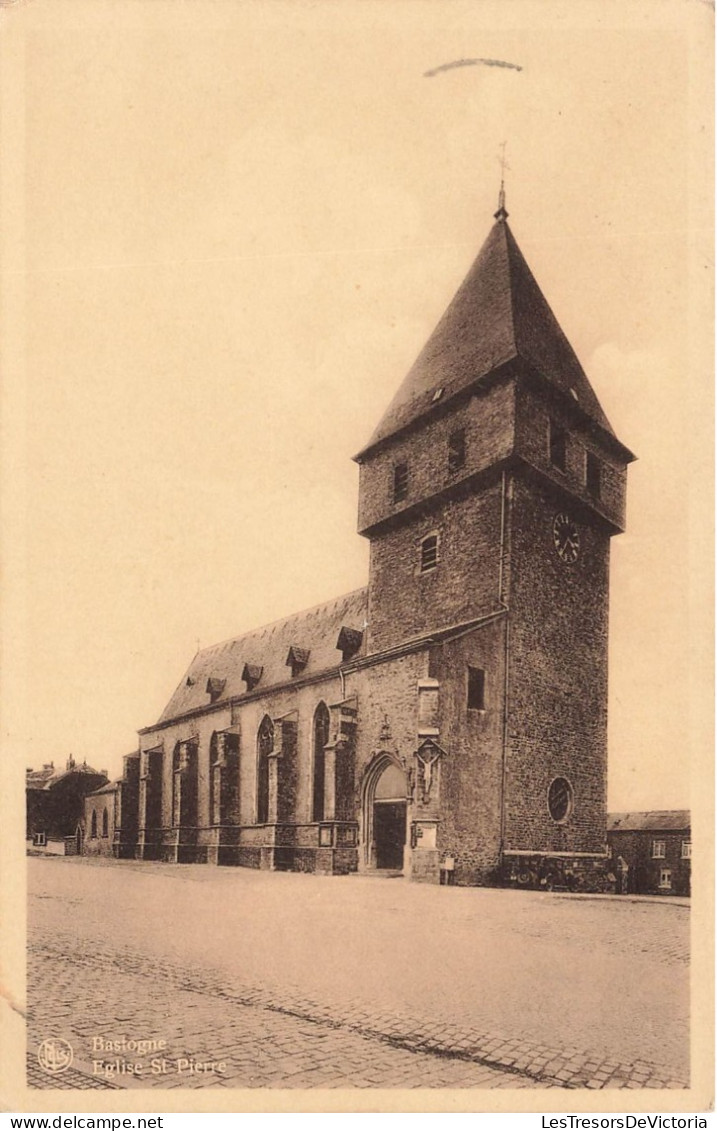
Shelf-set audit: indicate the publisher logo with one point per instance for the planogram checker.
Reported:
(54, 1055)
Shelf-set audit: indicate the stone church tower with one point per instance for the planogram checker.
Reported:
(489, 492)
(450, 719)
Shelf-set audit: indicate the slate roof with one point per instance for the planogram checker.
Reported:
(315, 632)
(656, 820)
(109, 787)
(44, 779)
(498, 314)
(38, 779)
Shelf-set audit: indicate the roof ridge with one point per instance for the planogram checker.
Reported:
(279, 620)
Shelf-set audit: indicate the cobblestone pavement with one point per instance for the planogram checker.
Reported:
(259, 1041)
(204, 981)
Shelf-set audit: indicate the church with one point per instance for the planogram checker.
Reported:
(449, 721)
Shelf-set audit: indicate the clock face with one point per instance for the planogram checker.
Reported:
(566, 537)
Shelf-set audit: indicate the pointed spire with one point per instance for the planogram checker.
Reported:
(498, 314)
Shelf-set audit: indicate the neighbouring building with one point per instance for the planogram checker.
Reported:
(55, 805)
(449, 720)
(110, 817)
(657, 849)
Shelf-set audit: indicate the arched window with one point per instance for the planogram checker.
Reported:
(105, 823)
(176, 786)
(93, 825)
(214, 782)
(265, 745)
(321, 737)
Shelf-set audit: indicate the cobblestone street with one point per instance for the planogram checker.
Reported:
(275, 980)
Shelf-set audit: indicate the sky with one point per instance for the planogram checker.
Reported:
(234, 226)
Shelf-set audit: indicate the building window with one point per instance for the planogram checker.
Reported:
(658, 850)
(297, 659)
(321, 737)
(105, 824)
(251, 675)
(476, 689)
(400, 482)
(665, 878)
(265, 745)
(686, 849)
(456, 450)
(93, 825)
(560, 799)
(176, 785)
(39, 840)
(558, 446)
(429, 553)
(593, 472)
(215, 687)
(215, 781)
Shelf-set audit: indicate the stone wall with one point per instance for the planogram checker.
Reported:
(557, 695)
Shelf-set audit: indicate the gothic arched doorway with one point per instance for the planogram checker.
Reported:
(384, 815)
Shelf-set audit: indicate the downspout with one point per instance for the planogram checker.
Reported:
(506, 496)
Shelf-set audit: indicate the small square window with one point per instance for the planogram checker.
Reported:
(558, 446)
(476, 689)
(457, 450)
(593, 475)
(686, 849)
(400, 482)
(429, 553)
(658, 850)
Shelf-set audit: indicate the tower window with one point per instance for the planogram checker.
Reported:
(476, 689)
(592, 475)
(429, 553)
(558, 446)
(400, 482)
(560, 799)
(456, 450)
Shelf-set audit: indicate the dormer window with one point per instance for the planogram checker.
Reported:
(297, 660)
(215, 687)
(558, 446)
(429, 553)
(251, 675)
(400, 482)
(593, 475)
(456, 450)
(349, 642)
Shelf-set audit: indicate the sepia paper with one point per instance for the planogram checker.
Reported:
(228, 229)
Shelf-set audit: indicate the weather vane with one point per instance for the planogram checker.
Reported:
(501, 214)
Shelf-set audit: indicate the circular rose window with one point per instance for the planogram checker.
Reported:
(560, 799)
